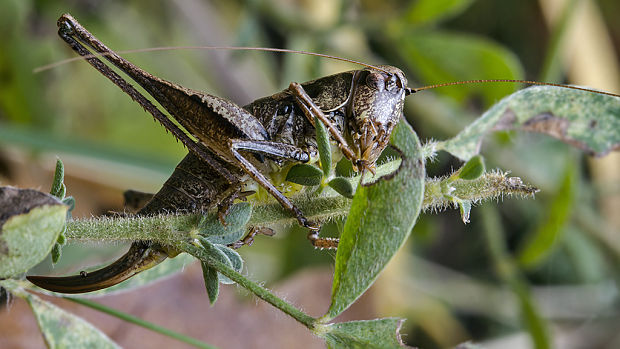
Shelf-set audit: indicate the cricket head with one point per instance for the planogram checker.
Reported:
(376, 107)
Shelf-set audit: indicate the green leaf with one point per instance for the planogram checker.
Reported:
(58, 185)
(61, 329)
(380, 220)
(324, 146)
(465, 208)
(56, 253)
(30, 222)
(473, 169)
(212, 282)
(234, 259)
(427, 11)
(379, 333)
(212, 229)
(588, 121)
(304, 174)
(342, 186)
(446, 57)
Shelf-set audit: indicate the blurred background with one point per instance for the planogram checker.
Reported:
(524, 273)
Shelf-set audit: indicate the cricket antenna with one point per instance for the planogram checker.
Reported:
(417, 89)
(230, 48)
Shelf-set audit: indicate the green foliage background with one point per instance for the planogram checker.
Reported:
(451, 282)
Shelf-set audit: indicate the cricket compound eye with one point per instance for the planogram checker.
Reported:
(375, 81)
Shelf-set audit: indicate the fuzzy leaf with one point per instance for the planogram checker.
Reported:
(304, 174)
(473, 169)
(238, 216)
(380, 220)
(588, 121)
(56, 253)
(30, 222)
(211, 277)
(235, 261)
(342, 186)
(212, 282)
(324, 146)
(465, 208)
(61, 329)
(58, 185)
(379, 333)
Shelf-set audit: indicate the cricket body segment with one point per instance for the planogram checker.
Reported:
(239, 144)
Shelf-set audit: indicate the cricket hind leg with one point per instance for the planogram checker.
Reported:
(142, 255)
(286, 152)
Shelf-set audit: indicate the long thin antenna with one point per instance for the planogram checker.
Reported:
(414, 90)
(232, 48)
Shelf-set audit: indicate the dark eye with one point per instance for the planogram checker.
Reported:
(375, 81)
(390, 84)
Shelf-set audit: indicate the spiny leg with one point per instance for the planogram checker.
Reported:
(248, 240)
(287, 152)
(311, 110)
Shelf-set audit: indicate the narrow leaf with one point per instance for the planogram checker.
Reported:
(234, 259)
(211, 277)
(342, 186)
(379, 333)
(380, 220)
(465, 208)
(325, 149)
(588, 121)
(30, 222)
(56, 253)
(304, 174)
(212, 282)
(58, 185)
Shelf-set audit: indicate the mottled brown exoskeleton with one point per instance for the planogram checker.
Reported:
(237, 145)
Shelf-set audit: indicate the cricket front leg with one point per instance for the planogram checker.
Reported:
(311, 110)
(287, 152)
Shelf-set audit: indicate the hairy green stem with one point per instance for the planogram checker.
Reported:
(248, 284)
(169, 229)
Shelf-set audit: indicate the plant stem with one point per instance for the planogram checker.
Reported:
(137, 321)
(251, 286)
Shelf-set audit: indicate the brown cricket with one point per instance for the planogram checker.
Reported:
(236, 145)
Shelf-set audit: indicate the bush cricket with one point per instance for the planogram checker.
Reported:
(237, 145)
